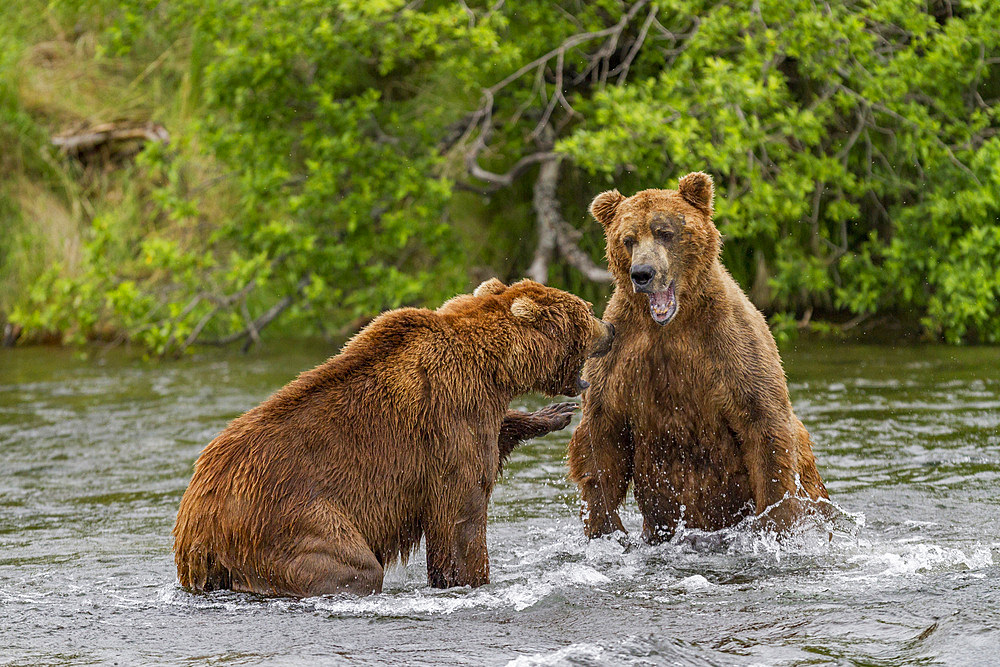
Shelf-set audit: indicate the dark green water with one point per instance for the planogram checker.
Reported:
(94, 457)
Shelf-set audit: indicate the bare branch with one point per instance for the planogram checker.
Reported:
(557, 96)
(256, 326)
(220, 303)
(568, 44)
(198, 328)
(623, 67)
(566, 239)
(537, 90)
(483, 116)
(198, 298)
(903, 119)
(11, 332)
(542, 201)
(854, 321)
(507, 178)
(254, 337)
(469, 12)
(599, 61)
(804, 322)
(852, 139)
(554, 233)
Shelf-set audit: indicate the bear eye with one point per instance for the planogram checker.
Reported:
(664, 235)
(629, 242)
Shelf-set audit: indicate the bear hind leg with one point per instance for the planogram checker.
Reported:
(324, 573)
(335, 559)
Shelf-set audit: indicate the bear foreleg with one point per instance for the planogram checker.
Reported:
(456, 540)
(600, 462)
(520, 426)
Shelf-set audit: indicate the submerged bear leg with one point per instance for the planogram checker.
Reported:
(329, 557)
(456, 541)
(600, 462)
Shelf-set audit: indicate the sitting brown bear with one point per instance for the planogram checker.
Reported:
(400, 435)
(692, 402)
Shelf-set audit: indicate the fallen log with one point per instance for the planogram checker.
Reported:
(109, 140)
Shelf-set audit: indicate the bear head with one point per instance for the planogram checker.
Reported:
(544, 334)
(661, 243)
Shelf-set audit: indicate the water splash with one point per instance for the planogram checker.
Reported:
(574, 654)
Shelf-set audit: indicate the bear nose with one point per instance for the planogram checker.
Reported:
(642, 275)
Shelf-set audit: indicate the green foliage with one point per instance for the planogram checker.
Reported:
(336, 198)
(316, 149)
(853, 146)
(24, 157)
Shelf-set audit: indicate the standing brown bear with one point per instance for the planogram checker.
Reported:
(400, 435)
(692, 402)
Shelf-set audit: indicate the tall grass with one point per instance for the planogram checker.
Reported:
(56, 74)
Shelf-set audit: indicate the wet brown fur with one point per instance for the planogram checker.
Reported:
(695, 412)
(399, 436)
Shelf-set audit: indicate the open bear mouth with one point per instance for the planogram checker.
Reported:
(663, 305)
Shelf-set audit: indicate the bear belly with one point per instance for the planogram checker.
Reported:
(693, 475)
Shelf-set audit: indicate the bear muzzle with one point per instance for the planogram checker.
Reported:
(663, 305)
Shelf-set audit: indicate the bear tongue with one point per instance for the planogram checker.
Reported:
(662, 305)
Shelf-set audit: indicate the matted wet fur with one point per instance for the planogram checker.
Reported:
(399, 436)
(691, 404)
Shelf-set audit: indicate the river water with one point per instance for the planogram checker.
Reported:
(95, 454)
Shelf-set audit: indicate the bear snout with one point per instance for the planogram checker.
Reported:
(642, 276)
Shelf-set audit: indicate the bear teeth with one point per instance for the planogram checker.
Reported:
(662, 305)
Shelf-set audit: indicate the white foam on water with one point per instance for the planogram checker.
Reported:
(432, 602)
(520, 580)
(174, 595)
(572, 654)
(694, 584)
(575, 573)
(916, 558)
(517, 594)
(557, 562)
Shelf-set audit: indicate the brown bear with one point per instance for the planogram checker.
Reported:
(399, 436)
(692, 403)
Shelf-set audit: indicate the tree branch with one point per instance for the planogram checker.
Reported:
(568, 44)
(108, 134)
(543, 201)
(566, 236)
(554, 233)
(903, 119)
(623, 68)
(482, 118)
(254, 327)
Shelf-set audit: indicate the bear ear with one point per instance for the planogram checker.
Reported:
(491, 286)
(604, 206)
(525, 309)
(698, 190)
